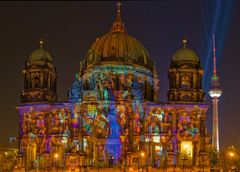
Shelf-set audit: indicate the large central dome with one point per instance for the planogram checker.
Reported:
(117, 47)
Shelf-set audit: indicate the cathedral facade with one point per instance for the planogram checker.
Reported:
(113, 116)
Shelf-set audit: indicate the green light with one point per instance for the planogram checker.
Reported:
(215, 78)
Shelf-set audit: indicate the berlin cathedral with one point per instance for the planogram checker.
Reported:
(113, 117)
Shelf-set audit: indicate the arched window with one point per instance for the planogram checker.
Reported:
(185, 81)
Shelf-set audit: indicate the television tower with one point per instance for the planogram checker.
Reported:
(215, 92)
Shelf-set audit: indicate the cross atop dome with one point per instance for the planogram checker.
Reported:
(118, 10)
(118, 25)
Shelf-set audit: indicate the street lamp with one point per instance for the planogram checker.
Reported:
(142, 156)
(232, 155)
(56, 156)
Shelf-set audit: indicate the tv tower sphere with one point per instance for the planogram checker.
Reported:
(215, 91)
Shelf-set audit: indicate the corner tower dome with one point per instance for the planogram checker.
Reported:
(185, 77)
(185, 54)
(117, 47)
(40, 54)
(40, 78)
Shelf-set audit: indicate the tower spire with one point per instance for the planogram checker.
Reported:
(215, 92)
(214, 57)
(118, 25)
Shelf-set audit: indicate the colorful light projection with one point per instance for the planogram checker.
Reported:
(41, 127)
(165, 127)
(113, 144)
(125, 86)
(111, 118)
(110, 80)
(158, 121)
(187, 125)
(45, 131)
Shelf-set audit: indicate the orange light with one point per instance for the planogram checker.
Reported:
(56, 155)
(157, 148)
(231, 154)
(142, 154)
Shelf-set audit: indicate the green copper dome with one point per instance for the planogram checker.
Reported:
(185, 54)
(40, 54)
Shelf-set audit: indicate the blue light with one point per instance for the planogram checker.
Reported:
(219, 14)
(113, 145)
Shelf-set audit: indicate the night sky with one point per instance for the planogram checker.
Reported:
(69, 28)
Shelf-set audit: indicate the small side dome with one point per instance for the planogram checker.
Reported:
(185, 54)
(40, 54)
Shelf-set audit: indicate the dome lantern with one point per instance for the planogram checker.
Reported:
(184, 41)
(41, 43)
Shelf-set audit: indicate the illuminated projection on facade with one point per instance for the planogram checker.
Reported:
(113, 115)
